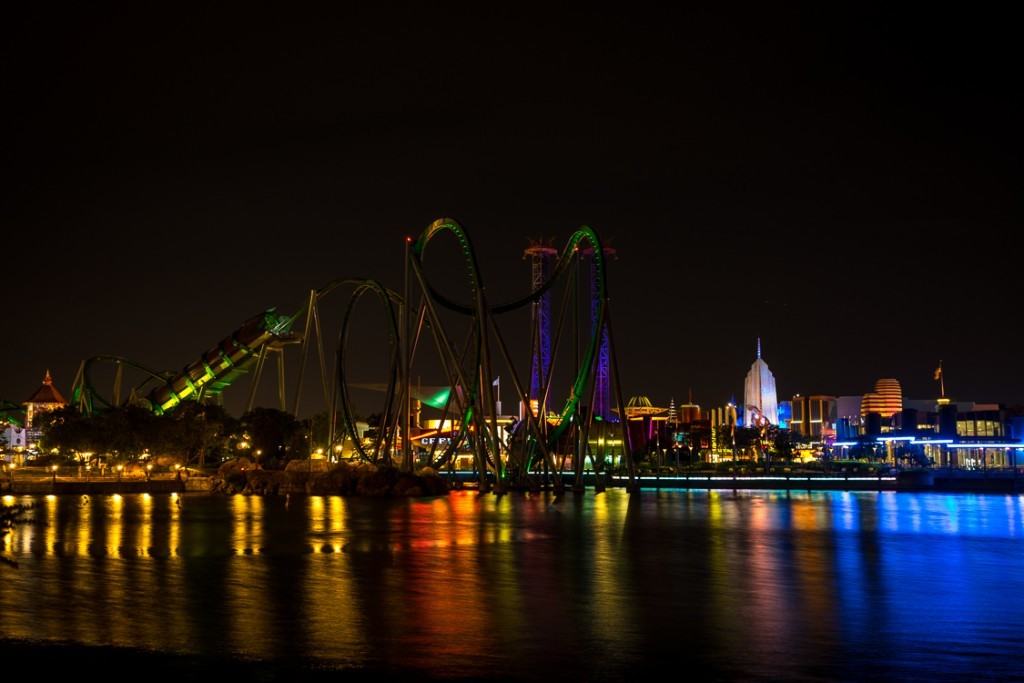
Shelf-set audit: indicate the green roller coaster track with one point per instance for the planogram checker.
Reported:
(12, 413)
(583, 234)
(467, 394)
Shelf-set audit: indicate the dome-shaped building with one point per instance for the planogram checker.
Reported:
(886, 399)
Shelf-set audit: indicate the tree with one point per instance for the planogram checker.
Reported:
(748, 439)
(273, 434)
(317, 428)
(67, 430)
(127, 431)
(199, 430)
(782, 443)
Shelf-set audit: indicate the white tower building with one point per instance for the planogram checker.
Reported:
(759, 393)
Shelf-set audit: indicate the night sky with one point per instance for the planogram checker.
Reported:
(843, 183)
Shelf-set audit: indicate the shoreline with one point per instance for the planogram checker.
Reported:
(926, 481)
(909, 482)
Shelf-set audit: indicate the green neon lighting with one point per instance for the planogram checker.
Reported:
(438, 400)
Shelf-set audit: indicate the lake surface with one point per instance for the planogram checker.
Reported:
(745, 585)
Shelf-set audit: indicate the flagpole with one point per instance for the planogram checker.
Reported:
(942, 380)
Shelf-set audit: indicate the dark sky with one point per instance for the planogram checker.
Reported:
(845, 183)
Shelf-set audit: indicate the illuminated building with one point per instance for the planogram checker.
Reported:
(848, 420)
(813, 416)
(542, 255)
(602, 375)
(759, 398)
(18, 432)
(722, 423)
(961, 418)
(45, 399)
(934, 432)
(785, 414)
(689, 412)
(648, 424)
(886, 399)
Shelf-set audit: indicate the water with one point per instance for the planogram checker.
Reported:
(748, 585)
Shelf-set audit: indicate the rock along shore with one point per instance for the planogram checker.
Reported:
(318, 477)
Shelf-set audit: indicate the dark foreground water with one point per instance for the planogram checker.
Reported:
(748, 585)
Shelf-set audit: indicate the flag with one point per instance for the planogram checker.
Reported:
(938, 373)
(496, 382)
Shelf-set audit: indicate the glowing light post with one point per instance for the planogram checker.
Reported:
(119, 468)
(53, 472)
(10, 473)
(149, 471)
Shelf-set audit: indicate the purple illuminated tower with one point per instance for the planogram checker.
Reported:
(541, 256)
(602, 376)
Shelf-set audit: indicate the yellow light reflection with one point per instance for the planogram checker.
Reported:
(337, 513)
(115, 529)
(50, 536)
(174, 526)
(246, 575)
(317, 523)
(83, 527)
(145, 542)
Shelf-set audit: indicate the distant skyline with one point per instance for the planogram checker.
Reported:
(842, 182)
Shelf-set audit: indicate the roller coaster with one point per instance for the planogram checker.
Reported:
(537, 445)
(11, 413)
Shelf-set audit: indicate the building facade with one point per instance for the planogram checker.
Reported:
(759, 398)
(813, 416)
(886, 400)
(45, 399)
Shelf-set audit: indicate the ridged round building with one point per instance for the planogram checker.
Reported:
(886, 399)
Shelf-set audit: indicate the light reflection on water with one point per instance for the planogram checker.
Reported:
(751, 584)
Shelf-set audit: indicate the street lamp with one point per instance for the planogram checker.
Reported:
(149, 471)
(119, 469)
(53, 470)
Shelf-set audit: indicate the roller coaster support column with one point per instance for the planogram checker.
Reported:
(577, 455)
(627, 448)
(435, 324)
(260, 359)
(281, 400)
(488, 388)
(589, 423)
(118, 378)
(406, 324)
(531, 422)
(304, 349)
(80, 393)
(583, 445)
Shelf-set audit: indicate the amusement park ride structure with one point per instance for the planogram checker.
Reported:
(415, 326)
